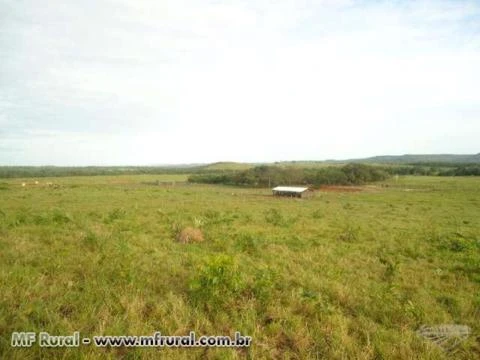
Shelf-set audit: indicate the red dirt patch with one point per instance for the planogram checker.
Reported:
(337, 188)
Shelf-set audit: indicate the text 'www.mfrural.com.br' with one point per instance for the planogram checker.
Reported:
(44, 339)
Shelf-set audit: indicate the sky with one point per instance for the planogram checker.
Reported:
(146, 82)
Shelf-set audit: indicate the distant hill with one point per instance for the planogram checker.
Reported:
(447, 159)
(458, 165)
(413, 159)
(227, 165)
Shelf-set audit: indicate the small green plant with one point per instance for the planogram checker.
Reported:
(198, 222)
(212, 214)
(391, 268)
(21, 218)
(455, 242)
(264, 285)
(216, 282)
(213, 217)
(414, 311)
(307, 294)
(450, 304)
(115, 214)
(348, 206)
(317, 214)
(61, 217)
(247, 218)
(3, 218)
(431, 233)
(247, 243)
(275, 217)
(458, 245)
(349, 233)
(41, 219)
(90, 240)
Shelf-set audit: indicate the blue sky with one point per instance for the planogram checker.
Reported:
(153, 82)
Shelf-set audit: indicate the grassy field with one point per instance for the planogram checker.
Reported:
(343, 275)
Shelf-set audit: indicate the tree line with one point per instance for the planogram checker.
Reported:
(350, 174)
(261, 176)
(59, 171)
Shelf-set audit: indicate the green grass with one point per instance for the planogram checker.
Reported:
(341, 276)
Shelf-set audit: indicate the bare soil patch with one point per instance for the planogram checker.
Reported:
(338, 188)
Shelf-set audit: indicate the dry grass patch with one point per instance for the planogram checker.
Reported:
(190, 235)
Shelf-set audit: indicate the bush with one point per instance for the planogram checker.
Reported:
(216, 282)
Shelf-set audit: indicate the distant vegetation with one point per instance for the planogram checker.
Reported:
(436, 169)
(350, 174)
(430, 158)
(61, 171)
(290, 172)
(52, 171)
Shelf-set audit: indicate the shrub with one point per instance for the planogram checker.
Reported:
(216, 281)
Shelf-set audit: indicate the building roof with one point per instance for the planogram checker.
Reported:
(293, 189)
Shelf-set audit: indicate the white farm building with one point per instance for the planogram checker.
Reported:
(292, 191)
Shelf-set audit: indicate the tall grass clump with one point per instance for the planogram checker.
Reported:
(264, 285)
(247, 243)
(115, 214)
(275, 217)
(349, 233)
(61, 217)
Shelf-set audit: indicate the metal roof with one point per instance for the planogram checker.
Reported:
(295, 189)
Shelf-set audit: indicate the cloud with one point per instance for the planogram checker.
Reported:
(192, 81)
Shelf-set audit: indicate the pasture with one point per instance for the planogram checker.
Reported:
(342, 275)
